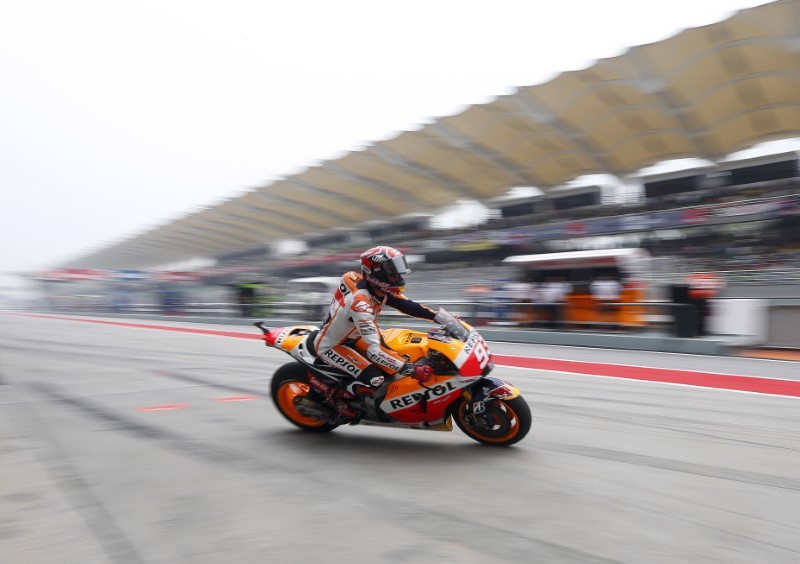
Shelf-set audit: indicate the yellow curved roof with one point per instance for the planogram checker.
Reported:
(706, 92)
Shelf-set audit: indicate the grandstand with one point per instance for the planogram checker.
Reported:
(733, 86)
(705, 92)
(748, 233)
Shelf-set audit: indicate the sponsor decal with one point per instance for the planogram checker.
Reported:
(746, 209)
(694, 216)
(377, 381)
(477, 346)
(635, 222)
(412, 398)
(384, 360)
(482, 354)
(478, 407)
(502, 392)
(364, 306)
(366, 328)
(577, 228)
(341, 362)
(470, 344)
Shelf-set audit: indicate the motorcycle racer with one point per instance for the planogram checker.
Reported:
(352, 315)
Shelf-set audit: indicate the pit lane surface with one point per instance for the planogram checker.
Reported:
(127, 444)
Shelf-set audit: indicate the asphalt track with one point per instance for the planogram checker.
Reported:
(155, 442)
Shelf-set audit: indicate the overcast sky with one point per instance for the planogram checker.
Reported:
(119, 116)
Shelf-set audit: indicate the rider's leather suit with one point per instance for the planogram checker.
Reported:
(352, 314)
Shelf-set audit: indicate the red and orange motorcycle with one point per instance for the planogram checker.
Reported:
(487, 409)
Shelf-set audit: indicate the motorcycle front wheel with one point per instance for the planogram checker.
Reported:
(504, 422)
(289, 383)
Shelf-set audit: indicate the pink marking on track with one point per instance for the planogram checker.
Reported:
(235, 334)
(237, 398)
(666, 375)
(166, 407)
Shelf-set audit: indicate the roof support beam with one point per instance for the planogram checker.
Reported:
(356, 202)
(289, 208)
(283, 226)
(539, 113)
(433, 175)
(251, 223)
(655, 85)
(463, 143)
(235, 228)
(208, 233)
(309, 202)
(237, 235)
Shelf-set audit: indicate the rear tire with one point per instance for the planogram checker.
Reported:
(291, 381)
(511, 421)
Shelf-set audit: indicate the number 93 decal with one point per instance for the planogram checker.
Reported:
(481, 353)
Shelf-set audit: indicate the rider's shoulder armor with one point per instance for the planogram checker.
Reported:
(353, 281)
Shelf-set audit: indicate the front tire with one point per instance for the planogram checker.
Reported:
(504, 422)
(290, 381)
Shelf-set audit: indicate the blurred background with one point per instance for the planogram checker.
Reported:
(683, 147)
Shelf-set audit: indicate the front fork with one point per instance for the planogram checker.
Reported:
(485, 390)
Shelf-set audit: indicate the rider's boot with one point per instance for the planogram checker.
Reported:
(367, 383)
(354, 390)
(340, 402)
(335, 397)
(339, 396)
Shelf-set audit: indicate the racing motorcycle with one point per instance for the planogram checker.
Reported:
(486, 409)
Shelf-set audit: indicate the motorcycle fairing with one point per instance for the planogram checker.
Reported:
(445, 425)
(474, 359)
(408, 401)
(288, 338)
(470, 357)
(406, 342)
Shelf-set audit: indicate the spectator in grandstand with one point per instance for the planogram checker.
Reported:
(502, 299)
(553, 293)
(534, 299)
(120, 301)
(702, 287)
(172, 300)
(606, 291)
(248, 296)
(519, 293)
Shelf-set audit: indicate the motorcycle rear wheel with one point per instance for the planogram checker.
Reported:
(290, 381)
(508, 421)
